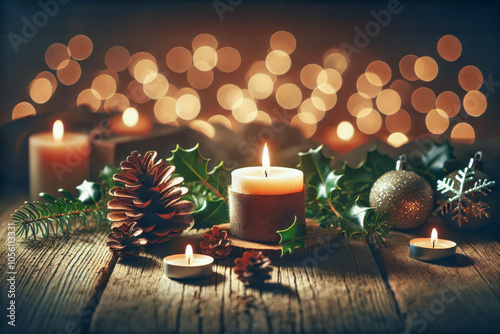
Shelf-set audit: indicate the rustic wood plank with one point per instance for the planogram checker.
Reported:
(459, 295)
(337, 287)
(58, 280)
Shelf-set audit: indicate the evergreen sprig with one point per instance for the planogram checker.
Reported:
(56, 216)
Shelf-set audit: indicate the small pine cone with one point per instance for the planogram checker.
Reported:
(216, 243)
(150, 197)
(253, 267)
(124, 241)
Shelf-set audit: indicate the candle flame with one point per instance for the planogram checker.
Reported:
(189, 254)
(434, 237)
(130, 117)
(58, 130)
(266, 165)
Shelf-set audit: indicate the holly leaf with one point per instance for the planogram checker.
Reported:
(193, 167)
(432, 162)
(212, 212)
(292, 237)
(317, 171)
(219, 178)
(89, 192)
(358, 181)
(352, 220)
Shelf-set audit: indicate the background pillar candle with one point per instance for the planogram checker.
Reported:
(57, 160)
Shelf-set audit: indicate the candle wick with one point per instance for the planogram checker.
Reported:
(265, 173)
(189, 261)
(433, 243)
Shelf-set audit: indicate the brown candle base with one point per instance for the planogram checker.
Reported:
(258, 217)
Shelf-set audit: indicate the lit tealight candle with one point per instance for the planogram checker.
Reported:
(188, 265)
(58, 159)
(130, 122)
(265, 199)
(429, 249)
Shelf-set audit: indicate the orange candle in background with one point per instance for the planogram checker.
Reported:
(57, 160)
(131, 123)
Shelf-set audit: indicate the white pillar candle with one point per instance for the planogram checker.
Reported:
(57, 160)
(267, 180)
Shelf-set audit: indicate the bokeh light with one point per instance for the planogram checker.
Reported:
(205, 58)
(246, 110)
(329, 81)
(228, 59)
(187, 107)
(323, 101)
(220, 120)
(463, 133)
(283, 41)
(229, 96)
(404, 90)
(90, 99)
(426, 68)
(366, 87)
(423, 99)
(117, 102)
(49, 76)
(449, 102)
(345, 131)
(135, 92)
(138, 57)
(40, 90)
(369, 121)
(145, 71)
(165, 109)
(179, 59)
(388, 102)
(437, 121)
(203, 127)
(335, 61)
(407, 67)
(470, 78)
(130, 117)
(449, 48)
(117, 58)
(260, 86)
(398, 122)
(23, 109)
(278, 62)
(381, 70)
(475, 103)
(288, 96)
(105, 85)
(307, 109)
(55, 55)
(69, 72)
(80, 47)
(397, 139)
(306, 128)
(357, 102)
(309, 75)
(199, 79)
(204, 40)
(157, 88)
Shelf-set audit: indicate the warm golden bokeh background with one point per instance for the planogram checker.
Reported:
(430, 71)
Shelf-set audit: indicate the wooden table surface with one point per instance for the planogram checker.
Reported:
(74, 285)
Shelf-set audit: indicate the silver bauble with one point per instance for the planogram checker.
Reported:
(404, 197)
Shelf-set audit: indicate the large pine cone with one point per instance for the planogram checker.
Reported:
(124, 240)
(215, 243)
(253, 268)
(150, 198)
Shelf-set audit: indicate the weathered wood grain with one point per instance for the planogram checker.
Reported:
(337, 287)
(456, 295)
(58, 280)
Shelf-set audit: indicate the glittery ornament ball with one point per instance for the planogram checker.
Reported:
(405, 197)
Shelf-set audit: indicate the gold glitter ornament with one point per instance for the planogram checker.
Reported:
(403, 196)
